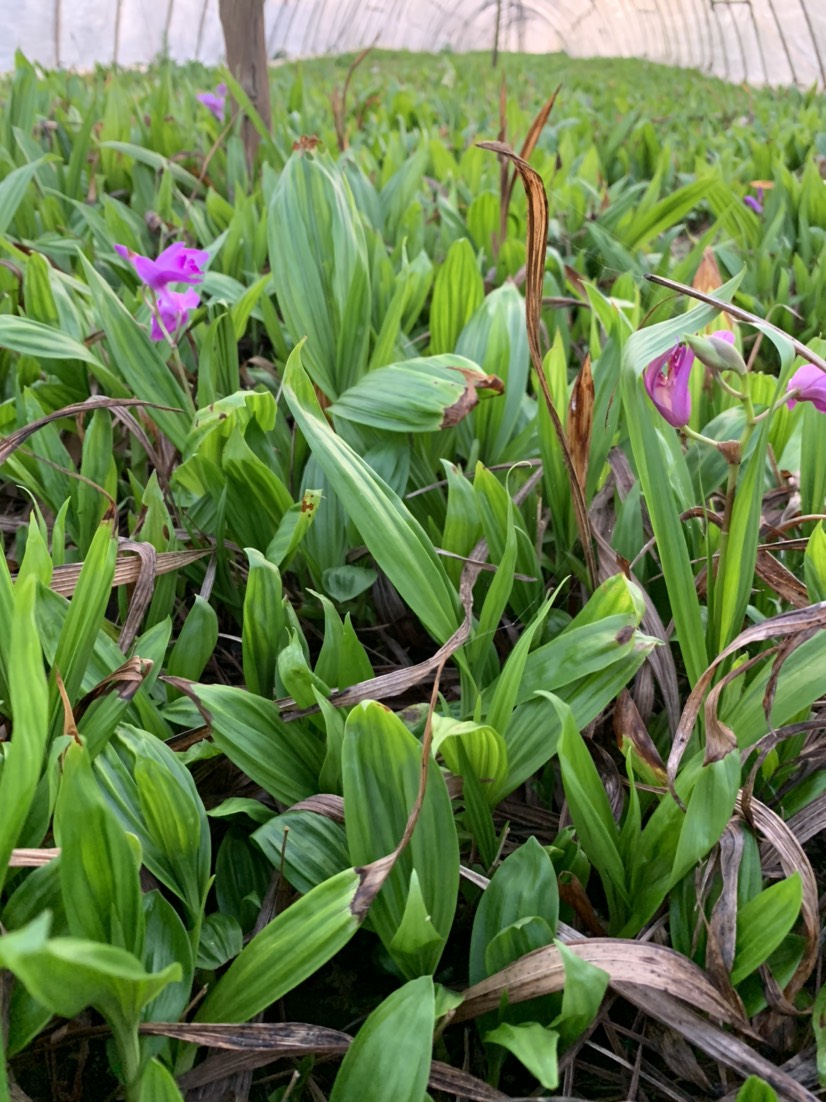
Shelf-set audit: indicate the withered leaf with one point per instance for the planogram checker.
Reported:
(13, 441)
(537, 239)
(581, 421)
(794, 623)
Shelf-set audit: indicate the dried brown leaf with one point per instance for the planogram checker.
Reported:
(69, 723)
(528, 146)
(13, 441)
(125, 681)
(714, 1041)
(475, 381)
(644, 965)
(142, 593)
(629, 727)
(708, 279)
(810, 821)
(581, 421)
(324, 803)
(722, 926)
(537, 239)
(781, 580)
(31, 858)
(786, 624)
(127, 569)
(261, 1043)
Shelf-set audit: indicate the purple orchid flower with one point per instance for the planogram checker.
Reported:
(215, 101)
(666, 380)
(755, 202)
(810, 382)
(172, 312)
(176, 264)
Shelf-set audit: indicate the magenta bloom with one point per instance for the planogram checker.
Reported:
(755, 203)
(173, 309)
(176, 264)
(214, 101)
(666, 380)
(810, 381)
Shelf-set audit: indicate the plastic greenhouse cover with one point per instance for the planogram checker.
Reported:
(759, 41)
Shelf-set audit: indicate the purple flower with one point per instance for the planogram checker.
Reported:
(666, 380)
(755, 203)
(176, 264)
(810, 383)
(214, 101)
(173, 309)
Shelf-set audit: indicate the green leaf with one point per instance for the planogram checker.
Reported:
(85, 616)
(320, 269)
(534, 1045)
(457, 294)
(389, 1061)
(309, 847)
(819, 1028)
(68, 974)
(13, 189)
(585, 987)
(196, 641)
(590, 810)
(288, 950)
(763, 923)
(98, 866)
(169, 820)
(523, 886)
(28, 697)
(396, 540)
(34, 338)
(381, 765)
(221, 940)
(517, 940)
(756, 1089)
(814, 564)
(284, 760)
(485, 748)
(438, 392)
(158, 1085)
(262, 634)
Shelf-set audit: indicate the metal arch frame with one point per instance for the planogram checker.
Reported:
(814, 41)
(731, 6)
(116, 43)
(782, 38)
(713, 7)
(327, 28)
(449, 15)
(57, 30)
(608, 23)
(199, 41)
(544, 16)
(757, 36)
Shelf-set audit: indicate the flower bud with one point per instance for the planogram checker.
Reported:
(718, 352)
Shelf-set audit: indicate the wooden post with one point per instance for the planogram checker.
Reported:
(246, 44)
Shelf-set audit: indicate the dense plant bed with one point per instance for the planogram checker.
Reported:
(411, 665)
